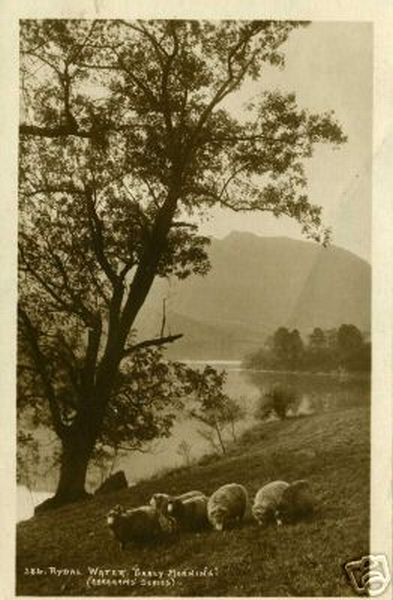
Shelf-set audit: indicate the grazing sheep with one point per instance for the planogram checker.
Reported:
(160, 501)
(267, 502)
(189, 513)
(226, 505)
(138, 524)
(297, 501)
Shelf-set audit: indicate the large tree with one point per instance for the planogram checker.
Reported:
(124, 142)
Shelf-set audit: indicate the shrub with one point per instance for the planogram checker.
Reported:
(277, 400)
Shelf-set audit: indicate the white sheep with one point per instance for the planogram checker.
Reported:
(226, 505)
(267, 502)
(283, 502)
(190, 513)
(160, 501)
(137, 524)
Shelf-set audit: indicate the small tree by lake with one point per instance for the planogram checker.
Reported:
(214, 408)
(184, 451)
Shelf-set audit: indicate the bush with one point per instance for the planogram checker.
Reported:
(277, 400)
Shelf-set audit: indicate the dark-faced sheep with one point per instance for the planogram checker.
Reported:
(189, 513)
(227, 505)
(160, 501)
(267, 502)
(297, 502)
(140, 524)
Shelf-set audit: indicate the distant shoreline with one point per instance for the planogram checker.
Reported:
(210, 362)
(239, 363)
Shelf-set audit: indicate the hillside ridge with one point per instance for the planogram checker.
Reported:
(257, 284)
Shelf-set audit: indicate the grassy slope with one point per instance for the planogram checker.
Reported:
(331, 450)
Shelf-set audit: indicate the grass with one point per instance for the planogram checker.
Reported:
(305, 559)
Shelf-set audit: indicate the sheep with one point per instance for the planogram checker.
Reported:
(266, 506)
(283, 502)
(297, 501)
(226, 505)
(190, 513)
(160, 501)
(138, 524)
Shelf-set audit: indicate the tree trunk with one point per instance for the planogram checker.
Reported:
(233, 431)
(74, 461)
(219, 436)
(76, 453)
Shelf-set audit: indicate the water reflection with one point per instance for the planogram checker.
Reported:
(315, 392)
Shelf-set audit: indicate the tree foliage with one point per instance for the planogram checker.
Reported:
(149, 393)
(124, 144)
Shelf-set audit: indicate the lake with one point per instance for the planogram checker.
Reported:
(315, 393)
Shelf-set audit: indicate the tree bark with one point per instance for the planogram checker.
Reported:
(75, 456)
(233, 431)
(221, 441)
(74, 461)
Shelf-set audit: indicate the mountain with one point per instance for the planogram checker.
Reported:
(255, 285)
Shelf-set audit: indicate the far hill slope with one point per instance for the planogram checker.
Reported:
(306, 559)
(257, 284)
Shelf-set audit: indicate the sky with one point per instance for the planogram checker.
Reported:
(330, 67)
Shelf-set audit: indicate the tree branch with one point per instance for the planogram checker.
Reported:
(67, 356)
(79, 47)
(96, 230)
(53, 189)
(77, 301)
(56, 295)
(166, 108)
(160, 341)
(227, 86)
(139, 83)
(54, 132)
(93, 346)
(147, 267)
(40, 363)
(159, 50)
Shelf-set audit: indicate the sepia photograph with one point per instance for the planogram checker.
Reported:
(194, 291)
